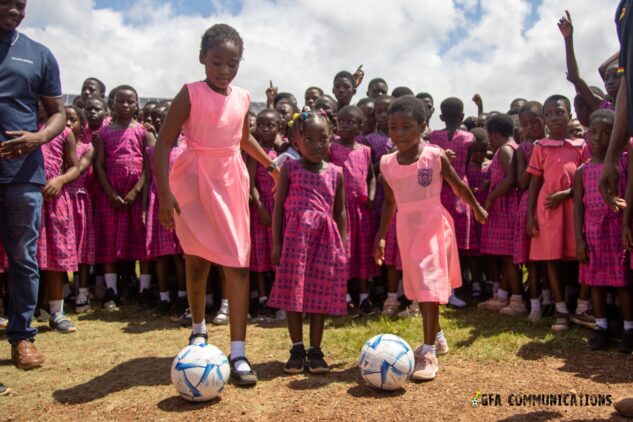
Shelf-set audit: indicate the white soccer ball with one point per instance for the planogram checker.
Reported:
(199, 372)
(386, 362)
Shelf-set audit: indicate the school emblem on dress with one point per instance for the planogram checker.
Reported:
(425, 176)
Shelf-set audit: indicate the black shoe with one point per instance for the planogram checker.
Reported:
(297, 361)
(367, 308)
(111, 300)
(549, 310)
(241, 377)
(352, 310)
(146, 299)
(181, 305)
(163, 308)
(263, 311)
(205, 336)
(316, 362)
(600, 339)
(627, 342)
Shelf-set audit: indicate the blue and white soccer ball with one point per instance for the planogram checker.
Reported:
(386, 362)
(199, 372)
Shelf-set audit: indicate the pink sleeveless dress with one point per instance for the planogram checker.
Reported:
(360, 234)
(426, 237)
(497, 236)
(56, 249)
(210, 181)
(262, 236)
(461, 213)
(521, 249)
(312, 275)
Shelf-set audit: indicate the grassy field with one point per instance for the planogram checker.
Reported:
(116, 367)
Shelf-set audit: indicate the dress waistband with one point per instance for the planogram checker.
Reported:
(421, 205)
(212, 152)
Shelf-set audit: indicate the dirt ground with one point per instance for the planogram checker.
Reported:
(116, 367)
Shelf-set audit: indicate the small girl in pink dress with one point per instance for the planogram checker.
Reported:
(426, 236)
(599, 234)
(360, 190)
(310, 250)
(550, 213)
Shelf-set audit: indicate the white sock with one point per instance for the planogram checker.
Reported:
(428, 348)
(164, 296)
(547, 297)
(440, 336)
(583, 306)
(263, 299)
(362, 296)
(183, 293)
(348, 298)
(83, 291)
(56, 306)
(602, 323)
(199, 328)
(535, 304)
(224, 306)
(503, 294)
(145, 281)
(561, 308)
(110, 281)
(237, 349)
(392, 296)
(495, 286)
(628, 325)
(208, 299)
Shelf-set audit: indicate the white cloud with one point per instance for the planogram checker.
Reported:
(301, 43)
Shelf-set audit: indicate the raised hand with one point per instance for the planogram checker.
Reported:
(358, 76)
(565, 26)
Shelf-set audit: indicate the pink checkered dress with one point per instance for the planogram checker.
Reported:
(311, 276)
(56, 250)
(477, 176)
(497, 236)
(360, 236)
(521, 249)
(81, 203)
(602, 231)
(392, 253)
(158, 240)
(120, 232)
(461, 213)
(262, 236)
(380, 145)
(4, 260)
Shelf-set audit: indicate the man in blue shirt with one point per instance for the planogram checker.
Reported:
(28, 73)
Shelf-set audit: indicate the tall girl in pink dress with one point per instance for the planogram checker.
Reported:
(120, 168)
(599, 247)
(550, 212)
(426, 237)
(310, 251)
(209, 181)
(360, 190)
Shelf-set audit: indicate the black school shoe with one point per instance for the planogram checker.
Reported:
(316, 362)
(146, 299)
(600, 339)
(240, 377)
(627, 342)
(297, 362)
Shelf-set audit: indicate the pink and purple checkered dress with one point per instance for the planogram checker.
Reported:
(477, 176)
(497, 236)
(461, 213)
(158, 240)
(602, 231)
(360, 234)
(380, 145)
(120, 232)
(392, 252)
(56, 249)
(262, 236)
(312, 274)
(521, 249)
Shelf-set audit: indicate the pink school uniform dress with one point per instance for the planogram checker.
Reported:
(380, 145)
(120, 232)
(360, 234)
(426, 237)
(477, 177)
(461, 213)
(262, 236)
(521, 248)
(210, 181)
(556, 162)
(603, 231)
(392, 253)
(497, 236)
(56, 249)
(158, 240)
(312, 275)
(81, 204)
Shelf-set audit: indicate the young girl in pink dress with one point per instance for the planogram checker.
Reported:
(310, 250)
(550, 213)
(120, 168)
(502, 202)
(267, 127)
(360, 190)
(414, 177)
(599, 234)
(81, 205)
(209, 181)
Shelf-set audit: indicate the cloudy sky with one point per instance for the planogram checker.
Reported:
(500, 48)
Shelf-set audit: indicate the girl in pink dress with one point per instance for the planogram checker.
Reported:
(81, 205)
(209, 181)
(502, 202)
(426, 236)
(550, 212)
(120, 168)
(310, 250)
(56, 251)
(267, 127)
(599, 235)
(360, 190)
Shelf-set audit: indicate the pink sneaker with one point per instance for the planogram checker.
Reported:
(515, 307)
(426, 367)
(493, 305)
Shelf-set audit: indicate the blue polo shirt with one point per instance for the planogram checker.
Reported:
(28, 70)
